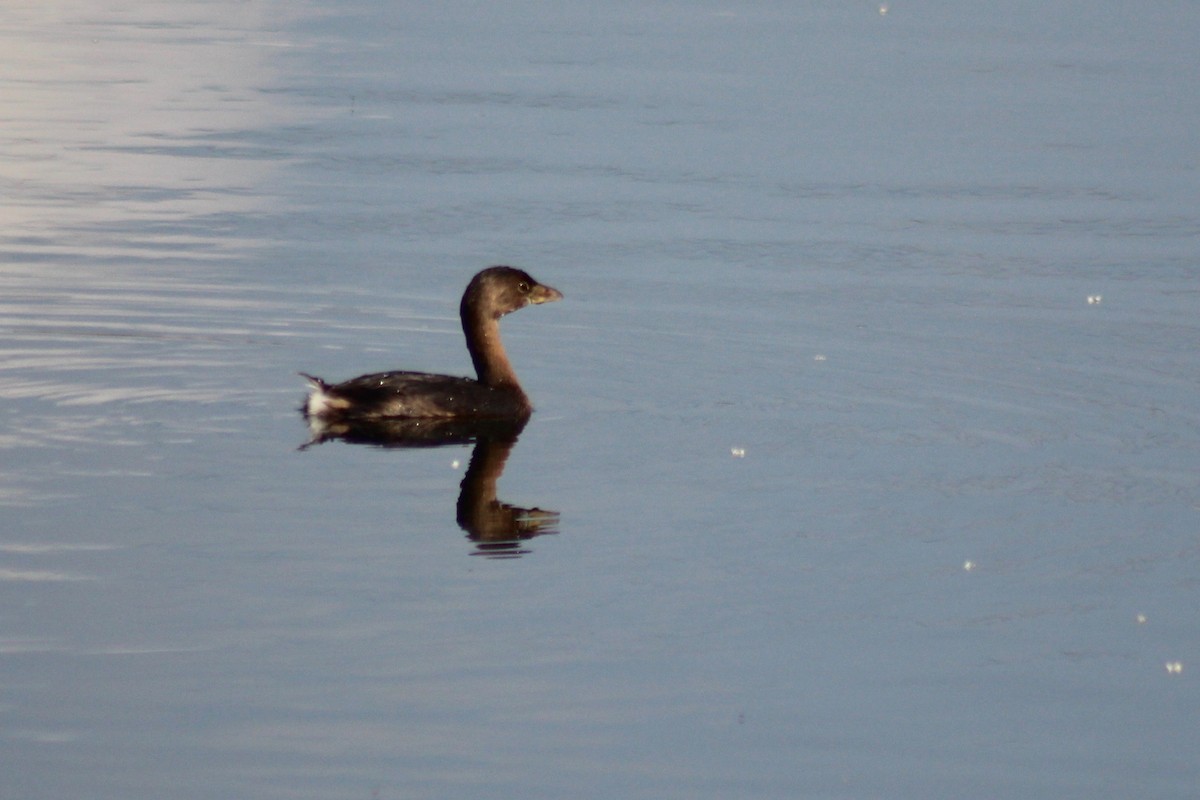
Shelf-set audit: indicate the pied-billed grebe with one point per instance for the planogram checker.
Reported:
(490, 295)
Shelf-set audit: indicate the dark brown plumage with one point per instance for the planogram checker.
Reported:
(496, 393)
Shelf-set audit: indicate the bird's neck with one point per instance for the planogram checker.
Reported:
(487, 352)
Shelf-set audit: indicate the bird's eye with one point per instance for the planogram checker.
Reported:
(523, 287)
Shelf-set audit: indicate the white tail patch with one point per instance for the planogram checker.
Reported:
(320, 402)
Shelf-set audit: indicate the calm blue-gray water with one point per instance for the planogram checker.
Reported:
(871, 413)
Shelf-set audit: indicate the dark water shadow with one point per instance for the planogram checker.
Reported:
(497, 528)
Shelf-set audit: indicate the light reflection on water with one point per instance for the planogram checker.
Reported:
(816, 357)
(130, 116)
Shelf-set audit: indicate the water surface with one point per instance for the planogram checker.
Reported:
(870, 411)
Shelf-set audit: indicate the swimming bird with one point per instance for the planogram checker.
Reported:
(495, 393)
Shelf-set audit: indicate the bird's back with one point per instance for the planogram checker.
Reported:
(386, 395)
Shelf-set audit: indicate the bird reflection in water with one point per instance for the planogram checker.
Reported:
(498, 529)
